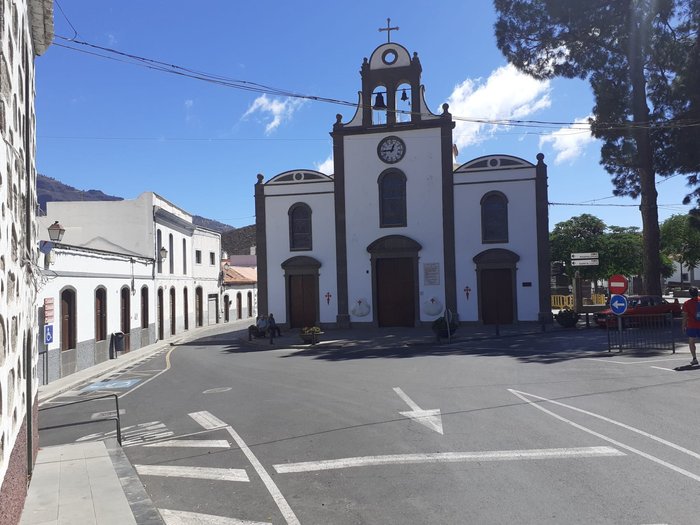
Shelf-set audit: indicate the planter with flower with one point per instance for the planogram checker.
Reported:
(567, 318)
(310, 334)
(440, 327)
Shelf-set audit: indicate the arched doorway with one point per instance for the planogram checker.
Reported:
(239, 306)
(186, 308)
(125, 318)
(161, 334)
(68, 319)
(173, 317)
(394, 261)
(226, 308)
(495, 275)
(199, 306)
(301, 278)
(250, 304)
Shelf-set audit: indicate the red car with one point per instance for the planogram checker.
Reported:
(639, 305)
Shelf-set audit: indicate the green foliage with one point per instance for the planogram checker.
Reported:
(636, 55)
(680, 241)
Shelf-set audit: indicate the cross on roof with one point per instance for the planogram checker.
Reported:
(388, 29)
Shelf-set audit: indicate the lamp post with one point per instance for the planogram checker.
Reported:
(56, 232)
(163, 253)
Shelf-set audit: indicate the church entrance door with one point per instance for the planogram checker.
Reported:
(302, 300)
(395, 292)
(496, 296)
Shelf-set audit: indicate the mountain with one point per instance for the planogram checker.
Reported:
(238, 241)
(49, 189)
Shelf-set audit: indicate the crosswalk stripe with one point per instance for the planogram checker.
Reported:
(207, 420)
(193, 443)
(181, 517)
(218, 474)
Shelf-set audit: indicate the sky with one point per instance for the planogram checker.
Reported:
(124, 129)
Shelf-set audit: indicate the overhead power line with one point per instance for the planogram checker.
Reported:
(245, 85)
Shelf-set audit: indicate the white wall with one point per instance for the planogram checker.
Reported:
(422, 166)
(318, 197)
(518, 185)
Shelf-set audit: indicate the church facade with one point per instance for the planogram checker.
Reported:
(399, 234)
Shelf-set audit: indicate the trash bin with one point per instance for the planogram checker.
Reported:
(117, 344)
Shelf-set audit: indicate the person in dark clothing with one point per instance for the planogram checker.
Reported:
(272, 326)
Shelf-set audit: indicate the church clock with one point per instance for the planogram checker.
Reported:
(391, 149)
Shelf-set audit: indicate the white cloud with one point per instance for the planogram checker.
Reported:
(506, 94)
(326, 166)
(569, 142)
(276, 110)
(111, 39)
(189, 104)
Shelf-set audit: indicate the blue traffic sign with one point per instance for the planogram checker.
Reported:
(618, 304)
(48, 334)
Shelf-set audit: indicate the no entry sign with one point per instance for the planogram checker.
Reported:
(617, 284)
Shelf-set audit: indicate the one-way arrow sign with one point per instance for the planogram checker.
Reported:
(429, 418)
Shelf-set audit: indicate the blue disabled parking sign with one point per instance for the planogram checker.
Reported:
(48, 334)
(618, 304)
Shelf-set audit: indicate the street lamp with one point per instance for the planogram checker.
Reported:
(163, 253)
(56, 232)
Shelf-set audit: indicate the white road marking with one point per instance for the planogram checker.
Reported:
(217, 390)
(636, 362)
(662, 368)
(181, 517)
(218, 474)
(666, 464)
(108, 413)
(192, 443)
(206, 420)
(209, 421)
(448, 457)
(429, 418)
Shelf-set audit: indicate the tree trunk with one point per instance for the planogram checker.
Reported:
(645, 156)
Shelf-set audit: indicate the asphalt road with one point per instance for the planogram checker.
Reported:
(531, 429)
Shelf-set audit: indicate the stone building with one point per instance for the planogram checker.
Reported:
(26, 30)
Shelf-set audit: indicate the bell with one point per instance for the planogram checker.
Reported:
(404, 96)
(379, 102)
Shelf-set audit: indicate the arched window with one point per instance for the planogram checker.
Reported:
(144, 307)
(185, 308)
(184, 256)
(239, 306)
(250, 304)
(494, 218)
(100, 314)
(159, 245)
(68, 319)
(300, 227)
(171, 253)
(392, 199)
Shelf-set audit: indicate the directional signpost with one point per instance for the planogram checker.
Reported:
(584, 259)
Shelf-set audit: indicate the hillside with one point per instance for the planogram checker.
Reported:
(238, 241)
(49, 189)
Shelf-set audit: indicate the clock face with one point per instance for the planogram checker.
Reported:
(391, 149)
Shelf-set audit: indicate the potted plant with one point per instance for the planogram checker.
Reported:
(567, 318)
(310, 334)
(440, 327)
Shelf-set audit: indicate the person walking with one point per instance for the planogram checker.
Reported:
(691, 321)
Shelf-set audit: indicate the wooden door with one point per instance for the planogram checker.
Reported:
(496, 296)
(302, 300)
(125, 324)
(68, 320)
(396, 292)
(227, 305)
(173, 317)
(161, 334)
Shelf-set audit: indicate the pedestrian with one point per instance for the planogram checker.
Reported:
(272, 324)
(691, 322)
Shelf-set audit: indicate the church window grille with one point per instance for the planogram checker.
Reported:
(392, 199)
(494, 218)
(300, 227)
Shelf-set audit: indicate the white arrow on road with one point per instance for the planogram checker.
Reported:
(429, 418)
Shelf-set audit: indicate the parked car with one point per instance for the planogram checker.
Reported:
(639, 305)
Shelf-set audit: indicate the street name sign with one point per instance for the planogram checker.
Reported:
(618, 304)
(584, 262)
(617, 284)
(584, 255)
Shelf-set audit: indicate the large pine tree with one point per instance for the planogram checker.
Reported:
(641, 58)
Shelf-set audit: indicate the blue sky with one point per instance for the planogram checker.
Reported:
(107, 125)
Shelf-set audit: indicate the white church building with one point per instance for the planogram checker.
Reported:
(398, 234)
